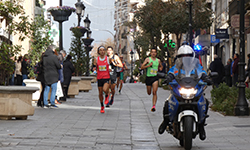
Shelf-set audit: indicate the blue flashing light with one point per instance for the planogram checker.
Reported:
(197, 47)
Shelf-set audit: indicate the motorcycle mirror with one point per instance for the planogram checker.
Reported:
(214, 74)
(179, 74)
(196, 74)
(161, 74)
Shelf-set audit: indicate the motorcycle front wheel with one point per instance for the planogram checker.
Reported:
(188, 131)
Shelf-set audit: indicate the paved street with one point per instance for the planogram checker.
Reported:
(127, 125)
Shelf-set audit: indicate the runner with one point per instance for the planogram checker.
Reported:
(152, 64)
(114, 62)
(103, 77)
(118, 72)
(120, 82)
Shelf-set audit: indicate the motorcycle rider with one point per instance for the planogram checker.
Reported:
(183, 51)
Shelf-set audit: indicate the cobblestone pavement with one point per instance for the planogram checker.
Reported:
(127, 125)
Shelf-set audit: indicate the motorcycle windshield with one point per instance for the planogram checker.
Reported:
(188, 66)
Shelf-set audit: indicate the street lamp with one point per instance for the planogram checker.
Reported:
(80, 9)
(190, 3)
(131, 54)
(87, 41)
(241, 107)
(87, 22)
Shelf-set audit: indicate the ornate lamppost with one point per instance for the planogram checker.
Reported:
(241, 107)
(61, 14)
(87, 41)
(190, 3)
(131, 54)
(80, 9)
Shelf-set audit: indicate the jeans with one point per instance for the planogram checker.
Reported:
(52, 96)
(24, 77)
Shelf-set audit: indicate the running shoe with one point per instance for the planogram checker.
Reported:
(54, 107)
(106, 100)
(102, 110)
(153, 109)
(111, 101)
(57, 101)
(46, 106)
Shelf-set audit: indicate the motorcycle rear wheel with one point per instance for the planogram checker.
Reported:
(187, 133)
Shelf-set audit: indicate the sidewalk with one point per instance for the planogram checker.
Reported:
(127, 125)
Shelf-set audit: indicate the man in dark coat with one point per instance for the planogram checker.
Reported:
(235, 69)
(217, 66)
(228, 78)
(50, 67)
(68, 69)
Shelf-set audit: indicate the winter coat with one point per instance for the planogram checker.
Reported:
(25, 67)
(235, 66)
(217, 66)
(68, 69)
(50, 67)
(40, 76)
(248, 68)
(60, 71)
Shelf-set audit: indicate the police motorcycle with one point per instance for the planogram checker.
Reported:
(186, 108)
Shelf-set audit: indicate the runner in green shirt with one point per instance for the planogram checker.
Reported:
(152, 64)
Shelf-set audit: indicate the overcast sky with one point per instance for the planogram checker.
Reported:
(101, 15)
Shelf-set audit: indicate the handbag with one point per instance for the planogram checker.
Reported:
(59, 91)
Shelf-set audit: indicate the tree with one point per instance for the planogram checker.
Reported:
(9, 10)
(158, 19)
(40, 40)
(176, 19)
(78, 53)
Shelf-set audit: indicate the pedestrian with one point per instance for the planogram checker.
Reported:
(228, 78)
(235, 70)
(103, 76)
(114, 63)
(152, 64)
(118, 73)
(248, 71)
(61, 57)
(50, 67)
(68, 70)
(163, 62)
(40, 77)
(217, 66)
(18, 71)
(120, 83)
(25, 66)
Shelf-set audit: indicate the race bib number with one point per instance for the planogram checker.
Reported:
(102, 68)
(153, 71)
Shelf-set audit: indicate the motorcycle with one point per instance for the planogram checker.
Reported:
(186, 107)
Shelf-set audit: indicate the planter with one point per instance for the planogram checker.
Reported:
(81, 29)
(94, 80)
(74, 87)
(85, 84)
(16, 101)
(34, 83)
(61, 15)
(87, 41)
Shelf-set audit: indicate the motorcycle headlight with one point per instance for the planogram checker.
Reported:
(188, 93)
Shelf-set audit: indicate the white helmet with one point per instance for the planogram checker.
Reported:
(185, 50)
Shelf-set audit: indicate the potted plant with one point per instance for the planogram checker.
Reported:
(79, 29)
(61, 13)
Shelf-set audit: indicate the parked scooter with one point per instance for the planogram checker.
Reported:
(185, 110)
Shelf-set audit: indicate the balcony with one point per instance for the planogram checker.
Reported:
(5, 34)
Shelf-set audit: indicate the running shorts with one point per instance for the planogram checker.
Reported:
(121, 76)
(113, 79)
(101, 82)
(151, 80)
(118, 74)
